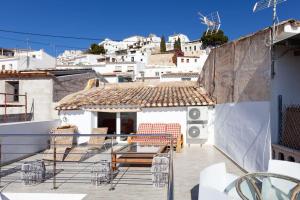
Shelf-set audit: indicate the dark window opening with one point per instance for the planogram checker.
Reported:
(291, 159)
(12, 87)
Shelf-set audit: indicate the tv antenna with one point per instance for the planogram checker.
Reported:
(212, 21)
(263, 4)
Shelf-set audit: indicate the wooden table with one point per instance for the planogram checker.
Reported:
(135, 154)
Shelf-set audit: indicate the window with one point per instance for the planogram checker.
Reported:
(3, 67)
(190, 48)
(12, 87)
(196, 60)
(130, 68)
(118, 68)
(132, 59)
(10, 66)
(187, 60)
(182, 60)
(185, 79)
(141, 60)
(34, 56)
(186, 48)
(195, 48)
(156, 73)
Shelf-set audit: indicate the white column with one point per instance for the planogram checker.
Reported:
(118, 125)
(94, 119)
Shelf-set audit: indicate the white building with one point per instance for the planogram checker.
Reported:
(171, 40)
(193, 48)
(68, 55)
(43, 88)
(26, 59)
(115, 72)
(114, 104)
(187, 76)
(160, 64)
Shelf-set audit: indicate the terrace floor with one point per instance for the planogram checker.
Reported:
(130, 183)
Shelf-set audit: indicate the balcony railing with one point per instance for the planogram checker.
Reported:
(96, 159)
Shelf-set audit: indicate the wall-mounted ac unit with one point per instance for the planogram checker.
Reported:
(198, 113)
(197, 120)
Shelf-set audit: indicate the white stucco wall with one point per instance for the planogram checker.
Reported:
(164, 115)
(37, 143)
(39, 98)
(242, 131)
(286, 82)
(84, 120)
(36, 60)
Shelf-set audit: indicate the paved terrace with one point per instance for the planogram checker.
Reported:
(131, 182)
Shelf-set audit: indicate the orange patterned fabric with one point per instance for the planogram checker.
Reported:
(144, 128)
(157, 128)
(174, 129)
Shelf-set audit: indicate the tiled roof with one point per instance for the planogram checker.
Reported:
(137, 95)
(37, 73)
(185, 75)
(21, 74)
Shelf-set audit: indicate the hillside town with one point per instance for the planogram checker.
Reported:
(153, 117)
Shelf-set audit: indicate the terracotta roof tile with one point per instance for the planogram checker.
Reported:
(14, 74)
(137, 95)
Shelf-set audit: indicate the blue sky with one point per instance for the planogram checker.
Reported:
(117, 19)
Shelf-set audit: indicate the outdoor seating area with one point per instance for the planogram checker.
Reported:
(172, 129)
(89, 178)
(64, 148)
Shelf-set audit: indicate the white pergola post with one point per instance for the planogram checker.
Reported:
(118, 125)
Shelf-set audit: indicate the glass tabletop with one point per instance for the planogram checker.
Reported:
(136, 148)
(263, 186)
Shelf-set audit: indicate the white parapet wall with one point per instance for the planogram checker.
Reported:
(242, 131)
(17, 147)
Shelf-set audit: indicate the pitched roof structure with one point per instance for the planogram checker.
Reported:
(136, 96)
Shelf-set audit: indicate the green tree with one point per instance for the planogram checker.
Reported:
(96, 49)
(163, 44)
(177, 45)
(214, 39)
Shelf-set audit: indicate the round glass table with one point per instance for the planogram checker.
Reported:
(263, 186)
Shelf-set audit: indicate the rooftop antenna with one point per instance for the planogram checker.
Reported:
(212, 21)
(263, 4)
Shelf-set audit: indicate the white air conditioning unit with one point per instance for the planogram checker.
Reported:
(197, 125)
(196, 133)
(199, 113)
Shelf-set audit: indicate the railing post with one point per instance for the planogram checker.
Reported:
(171, 175)
(5, 111)
(54, 164)
(112, 168)
(25, 115)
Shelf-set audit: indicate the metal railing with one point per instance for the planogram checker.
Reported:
(8, 104)
(58, 155)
